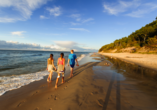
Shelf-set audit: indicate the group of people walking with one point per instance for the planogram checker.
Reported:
(61, 66)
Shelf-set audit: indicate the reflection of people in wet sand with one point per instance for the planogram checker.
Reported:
(61, 68)
(50, 66)
(71, 61)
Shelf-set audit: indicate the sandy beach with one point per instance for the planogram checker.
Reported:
(97, 85)
(145, 60)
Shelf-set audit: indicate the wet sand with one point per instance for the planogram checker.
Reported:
(145, 60)
(97, 85)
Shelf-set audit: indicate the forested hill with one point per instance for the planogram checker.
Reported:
(144, 37)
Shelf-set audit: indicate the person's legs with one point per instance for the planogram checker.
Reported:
(50, 75)
(62, 78)
(71, 68)
(71, 74)
(57, 80)
(48, 79)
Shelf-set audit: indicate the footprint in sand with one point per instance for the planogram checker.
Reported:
(65, 87)
(55, 98)
(93, 93)
(35, 92)
(20, 103)
(36, 108)
(50, 97)
(42, 86)
(100, 102)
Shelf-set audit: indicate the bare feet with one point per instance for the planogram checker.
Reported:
(55, 86)
(48, 80)
(63, 82)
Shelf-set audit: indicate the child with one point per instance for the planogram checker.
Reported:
(50, 66)
(61, 68)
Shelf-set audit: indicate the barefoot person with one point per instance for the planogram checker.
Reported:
(50, 66)
(71, 61)
(61, 68)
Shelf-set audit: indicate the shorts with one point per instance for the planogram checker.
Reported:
(59, 74)
(60, 69)
(72, 65)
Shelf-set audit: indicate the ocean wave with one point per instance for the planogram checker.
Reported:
(19, 56)
(80, 58)
(8, 83)
(37, 55)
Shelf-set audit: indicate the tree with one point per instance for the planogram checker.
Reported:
(145, 31)
(139, 38)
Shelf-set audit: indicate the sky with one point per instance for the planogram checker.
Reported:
(82, 25)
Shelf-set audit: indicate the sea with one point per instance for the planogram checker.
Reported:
(21, 67)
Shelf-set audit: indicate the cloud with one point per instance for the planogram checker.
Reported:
(43, 17)
(79, 20)
(87, 20)
(72, 23)
(19, 33)
(120, 6)
(21, 9)
(146, 8)
(68, 45)
(79, 29)
(133, 8)
(65, 44)
(17, 45)
(56, 11)
(75, 15)
(7, 19)
(59, 46)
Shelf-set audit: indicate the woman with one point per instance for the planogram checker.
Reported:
(50, 66)
(61, 68)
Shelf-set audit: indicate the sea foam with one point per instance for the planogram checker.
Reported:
(8, 83)
(16, 81)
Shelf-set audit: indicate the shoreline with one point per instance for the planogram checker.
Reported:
(95, 86)
(144, 60)
(33, 88)
(13, 82)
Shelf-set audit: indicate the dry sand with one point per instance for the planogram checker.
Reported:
(145, 60)
(95, 86)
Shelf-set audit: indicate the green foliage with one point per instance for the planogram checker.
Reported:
(146, 36)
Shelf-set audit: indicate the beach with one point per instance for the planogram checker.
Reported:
(20, 67)
(99, 83)
(145, 60)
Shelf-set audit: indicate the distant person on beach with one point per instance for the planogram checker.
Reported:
(61, 69)
(50, 66)
(71, 61)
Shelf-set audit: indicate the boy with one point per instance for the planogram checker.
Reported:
(71, 61)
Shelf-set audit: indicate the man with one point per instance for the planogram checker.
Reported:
(71, 61)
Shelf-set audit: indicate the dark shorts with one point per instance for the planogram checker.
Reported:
(72, 65)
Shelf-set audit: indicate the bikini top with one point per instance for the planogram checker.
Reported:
(60, 62)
